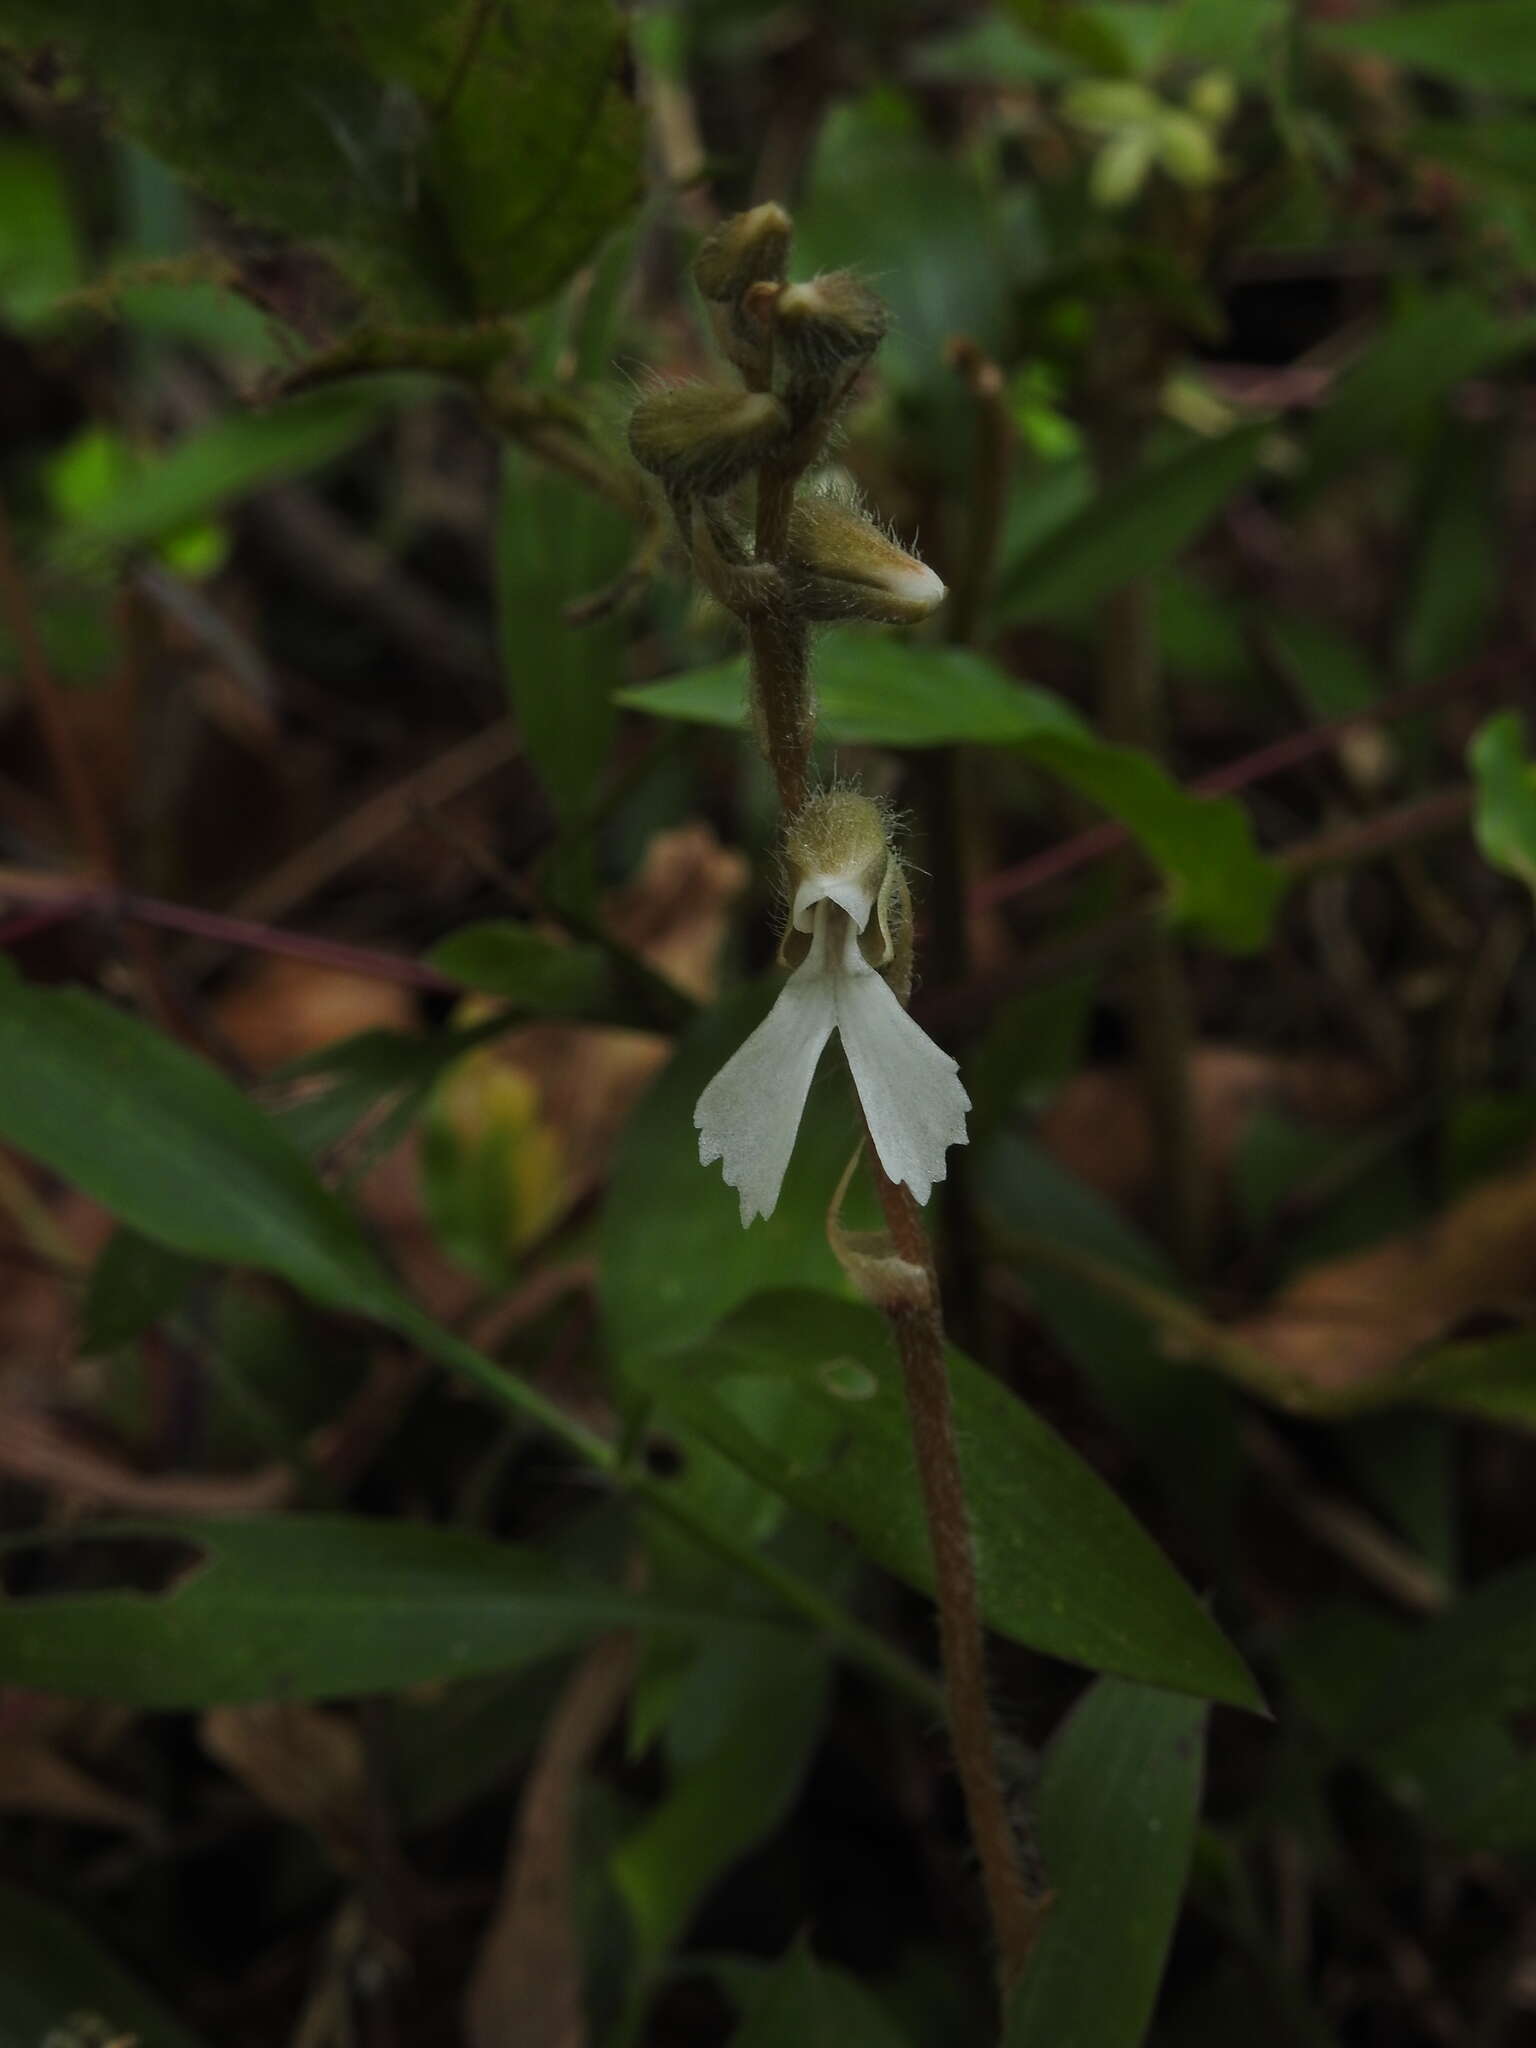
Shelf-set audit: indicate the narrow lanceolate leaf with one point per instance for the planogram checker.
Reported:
(876, 691)
(1389, 394)
(53, 1971)
(1478, 1659)
(1117, 1811)
(556, 545)
(1505, 818)
(314, 1606)
(169, 1146)
(804, 1393)
(1220, 884)
(1130, 530)
(211, 469)
(455, 157)
(1488, 43)
(804, 2003)
(528, 969)
(766, 1703)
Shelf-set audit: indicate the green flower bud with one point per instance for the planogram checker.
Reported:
(840, 565)
(749, 248)
(701, 440)
(832, 324)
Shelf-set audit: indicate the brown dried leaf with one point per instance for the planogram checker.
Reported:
(1099, 1129)
(283, 1009)
(36, 1447)
(526, 1985)
(305, 1763)
(36, 1778)
(1348, 1322)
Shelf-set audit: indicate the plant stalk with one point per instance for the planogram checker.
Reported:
(918, 1329)
(1133, 713)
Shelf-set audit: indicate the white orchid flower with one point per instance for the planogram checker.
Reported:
(846, 883)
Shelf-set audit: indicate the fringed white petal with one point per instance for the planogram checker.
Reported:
(748, 1115)
(910, 1088)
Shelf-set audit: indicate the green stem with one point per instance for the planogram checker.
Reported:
(860, 1644)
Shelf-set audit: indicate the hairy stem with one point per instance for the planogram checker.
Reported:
(918, 1329)
(778, 648)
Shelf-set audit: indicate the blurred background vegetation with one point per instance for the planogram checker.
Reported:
(385, 865)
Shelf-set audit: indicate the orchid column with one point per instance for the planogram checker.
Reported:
(811, 555)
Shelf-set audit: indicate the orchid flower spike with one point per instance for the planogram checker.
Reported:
(847, 932)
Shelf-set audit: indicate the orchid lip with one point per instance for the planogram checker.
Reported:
(909, 1089)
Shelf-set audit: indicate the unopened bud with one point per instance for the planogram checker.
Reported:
(833, 323)
(702, 440)
(744, 250)
(841, 565)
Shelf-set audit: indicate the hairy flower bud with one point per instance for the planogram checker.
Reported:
(840, 565)
(701, 440)
(832, 324)
(749, 248)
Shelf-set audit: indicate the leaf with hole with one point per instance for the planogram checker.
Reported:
(313, 1607)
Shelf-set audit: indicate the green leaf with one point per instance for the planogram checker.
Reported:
(313, 1607)
(39, 249)
(919, 221)
(133, 1284)
(675, 1258)
(1479, 1658)
(381, 1076)
(1494, 1377)
(169, 1146)
(226, 461)
(878, 691)
(52, 1970)
(1220, 884)
(1457, 572)
(527, 968)
(1129, 531)
(1329, 670)
(875, 690)
(1118, 1806)
(452, 156)
(557, 543)
(1184, 1423)
(804, 1392)
(992, 50)
(807, 2004)
(1504, 821)
(1481, 43)
(1498, 156)
(1391, 392)
(765, 1704)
